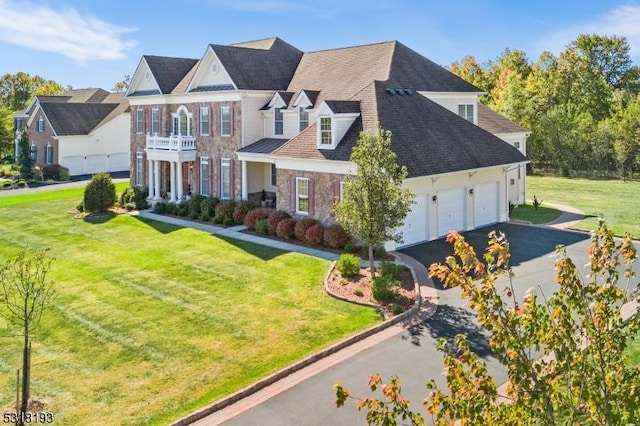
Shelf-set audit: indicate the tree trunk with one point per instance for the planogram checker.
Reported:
(371, 262)
(26, 375)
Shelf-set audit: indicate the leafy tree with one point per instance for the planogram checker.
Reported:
(24, 295)
(564, 356)
(6, 132)
(627, 137)
(123, 84)
(375, 203)
(100, 193)
(24, 154)
(17, 90)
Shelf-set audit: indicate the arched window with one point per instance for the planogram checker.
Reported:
(182, 122)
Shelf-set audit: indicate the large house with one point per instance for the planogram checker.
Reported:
(264, 116)
(84, 130)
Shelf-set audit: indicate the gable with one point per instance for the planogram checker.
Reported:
(143, 81)
(210, 74)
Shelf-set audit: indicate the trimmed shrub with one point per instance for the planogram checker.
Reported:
(80, 206)
(204, 217)
(261, 226)
(275, 217)
(241, 210)
(286, 229)
(224, 212)
(302, 226)
(183, 209)
(335, 236)
(314, 235)
(100, 193)
(208, 205)
(129, 206)
(55, 172)
(348, 265)
(379, 252)
(392, 270)
(351, 248)
(136, 196)
(395, 308)
(383, 288)
(160, 208)
(253, 216)
(195, 205)
(172, 208)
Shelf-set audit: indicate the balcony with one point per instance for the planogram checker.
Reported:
(176, 143)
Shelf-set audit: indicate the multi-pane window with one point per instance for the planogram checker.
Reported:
(516, 144)
(204, 121)
(304, 118)
(325, 131)
(274, 175)
(139, 120)
(182, 123)
(48, 154)
(204, 176)
(41, 124)
(278, 122)
(139, 169)
(466, 111)
(225, 178)
(225, 121)
(33, 152)
(302, 195)
(155, 121)
(18, 123)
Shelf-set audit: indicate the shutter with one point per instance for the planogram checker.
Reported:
(231, 126)
(292, 194)
(147, 120)
(312, 198)
(232, 183)
(336, 192)
(219, 177)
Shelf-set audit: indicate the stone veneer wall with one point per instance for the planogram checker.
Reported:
(326, 191)
(213, 146)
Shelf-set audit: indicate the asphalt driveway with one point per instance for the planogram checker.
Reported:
(412, 354)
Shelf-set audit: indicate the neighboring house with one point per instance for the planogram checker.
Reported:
(264, 116)
(85, 130)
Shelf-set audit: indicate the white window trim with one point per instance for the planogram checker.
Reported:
(321, 145)
(301, 197)
(225, 163)
(176, 120)
(155, 121)
(139, 121)
(207, 130)
(204, 177)
(275, 120)
(139, 169)
(272, 175)
(40, 125)
(222, 120)
(342, 190)
(48, 158)
(465, 115)
(302, 110)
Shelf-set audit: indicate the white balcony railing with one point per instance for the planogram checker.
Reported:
(171, 143)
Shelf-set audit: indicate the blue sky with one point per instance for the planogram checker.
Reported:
(94, 43)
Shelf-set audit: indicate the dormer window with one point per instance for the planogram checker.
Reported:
(303, 115)
(326, 133)
(278, 121)
(466, 111)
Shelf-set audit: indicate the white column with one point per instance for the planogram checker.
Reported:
(150, 181)
(179, 179)
(244, 180)
(172, 179)
(156, 179)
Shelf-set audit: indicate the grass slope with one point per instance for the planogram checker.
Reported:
(152, 320)
(615, 200)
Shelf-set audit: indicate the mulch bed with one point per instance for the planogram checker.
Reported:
(348, 287)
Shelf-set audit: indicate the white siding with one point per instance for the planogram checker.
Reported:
(253, 123)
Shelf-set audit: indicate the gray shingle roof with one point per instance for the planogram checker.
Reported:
(213, 88)
(494, 123)
(262, 68)
(76, 118)
(168, 72)
(427, 138)
(344, 107)
(264, 146)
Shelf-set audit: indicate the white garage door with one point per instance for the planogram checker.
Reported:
(74, 163)
(485, 204)
(452, 210)
(119, 162)
(97, 163)
(416, 225)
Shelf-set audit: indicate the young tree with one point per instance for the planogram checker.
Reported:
(565, 356)
(24, 294)
(375, 203)
(24, 154)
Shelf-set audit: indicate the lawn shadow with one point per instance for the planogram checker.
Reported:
(448, 322)
(257, 250)
(161, 227)
(99, 218)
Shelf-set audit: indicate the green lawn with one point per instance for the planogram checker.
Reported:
(153, 321)
(540, 215)
(617, 201)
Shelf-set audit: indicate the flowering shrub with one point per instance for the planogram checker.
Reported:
(302, 226)
(286, 229)
(335, 236)
(314, 235)
(276, 217)
(253, 216)
(241, 210)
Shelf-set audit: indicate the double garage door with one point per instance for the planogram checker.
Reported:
(81, 165)
(451, 211)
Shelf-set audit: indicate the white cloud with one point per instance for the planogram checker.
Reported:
(66, 32)
(274, 6)
(621, 21)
